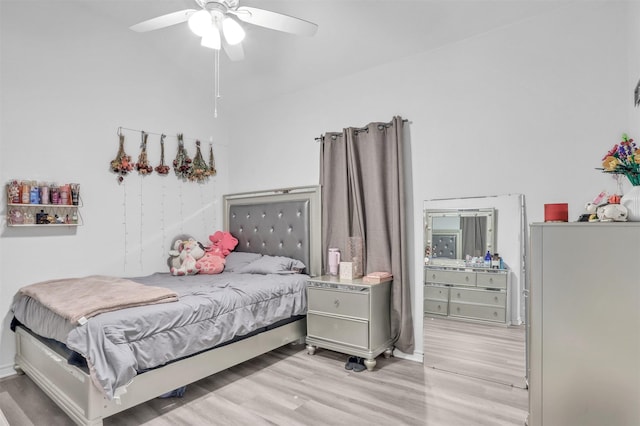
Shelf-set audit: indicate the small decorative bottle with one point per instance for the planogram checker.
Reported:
(334, 261)
(487, 259)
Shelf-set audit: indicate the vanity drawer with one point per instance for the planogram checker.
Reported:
(438, 307)
(490, 280)
(451, 277)
(350, 304)
(340, 330)
(468, 310)
(435, 292)
(484, 297)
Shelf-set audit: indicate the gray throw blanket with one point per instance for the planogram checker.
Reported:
(78, 299)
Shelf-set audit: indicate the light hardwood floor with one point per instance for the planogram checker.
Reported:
(289, 387)
(482, 350)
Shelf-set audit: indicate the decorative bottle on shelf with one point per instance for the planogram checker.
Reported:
(334, 261)
(487, 259)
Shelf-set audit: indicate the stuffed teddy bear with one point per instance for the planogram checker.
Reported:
(222, 243)
(190, 252)
(174, 254)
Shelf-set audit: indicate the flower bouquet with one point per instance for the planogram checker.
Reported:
(623, 159)
(142, 166)
(182, 162)
(122, 163)
(162, 168)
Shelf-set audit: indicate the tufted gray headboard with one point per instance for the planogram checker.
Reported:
(283, 222)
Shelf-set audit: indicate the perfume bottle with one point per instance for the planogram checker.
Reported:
(334, 261)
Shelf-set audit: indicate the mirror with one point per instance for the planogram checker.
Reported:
(458, 233)
(459, 343)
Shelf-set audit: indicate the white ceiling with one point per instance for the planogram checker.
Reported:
(353, 35)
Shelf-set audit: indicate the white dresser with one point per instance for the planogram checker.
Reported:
(584, 321)
(468, 293)
(349, 316)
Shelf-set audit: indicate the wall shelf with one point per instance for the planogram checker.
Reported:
(29, 213)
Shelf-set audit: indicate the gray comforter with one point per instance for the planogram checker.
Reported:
(211, 310)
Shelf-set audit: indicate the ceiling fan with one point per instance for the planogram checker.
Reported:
(219, 17)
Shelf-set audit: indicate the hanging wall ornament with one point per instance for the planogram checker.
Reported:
(182, 162)
(199, 171)
(162, 169)
(142, 166)
(122, 163)
(212, 162)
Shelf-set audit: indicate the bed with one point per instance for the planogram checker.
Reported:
(282, 224)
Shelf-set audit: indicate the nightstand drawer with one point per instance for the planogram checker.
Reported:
(451, 277)
(484, 297)
(488, 313)
(345, 303)
(491, 280)
(348, 332)
(436, 292)
(439, 307)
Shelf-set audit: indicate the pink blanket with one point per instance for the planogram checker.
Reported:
(78, 299)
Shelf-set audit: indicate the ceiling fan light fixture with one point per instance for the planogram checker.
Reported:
(233, 32)
(211, 39)
(200, 22)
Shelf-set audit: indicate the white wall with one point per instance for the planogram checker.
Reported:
(529, 108)
(70, 78)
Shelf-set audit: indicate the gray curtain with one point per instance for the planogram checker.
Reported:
(474, 235)
(362, 179)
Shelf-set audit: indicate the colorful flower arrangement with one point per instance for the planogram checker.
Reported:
(623, 159)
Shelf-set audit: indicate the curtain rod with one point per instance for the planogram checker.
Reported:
(121, 128)
(362, 129)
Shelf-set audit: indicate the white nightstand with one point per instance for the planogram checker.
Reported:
(349, 316)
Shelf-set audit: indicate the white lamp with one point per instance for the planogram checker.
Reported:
(200, 22)
(233, 32)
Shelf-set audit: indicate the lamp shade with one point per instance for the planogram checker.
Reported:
(233, 32)
(200, 22)
(211, 38)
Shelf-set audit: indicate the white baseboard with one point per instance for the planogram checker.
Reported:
(6, 371)
(416, 356)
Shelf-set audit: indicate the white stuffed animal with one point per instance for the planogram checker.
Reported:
(190, 252)
(612, 213)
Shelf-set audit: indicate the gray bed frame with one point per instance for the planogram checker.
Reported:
(281, 222)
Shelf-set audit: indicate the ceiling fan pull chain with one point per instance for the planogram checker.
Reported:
(216, 82)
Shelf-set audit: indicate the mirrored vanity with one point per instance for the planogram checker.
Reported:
(458, 282)
(470, 306)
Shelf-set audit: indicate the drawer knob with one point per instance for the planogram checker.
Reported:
(337, 303)
(495, 298)
(491, 280)
(466, 278)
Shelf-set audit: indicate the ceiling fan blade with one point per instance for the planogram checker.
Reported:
(234, 52)
(163, 21)
(275, 21)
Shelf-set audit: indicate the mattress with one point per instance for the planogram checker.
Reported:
(211, 310)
